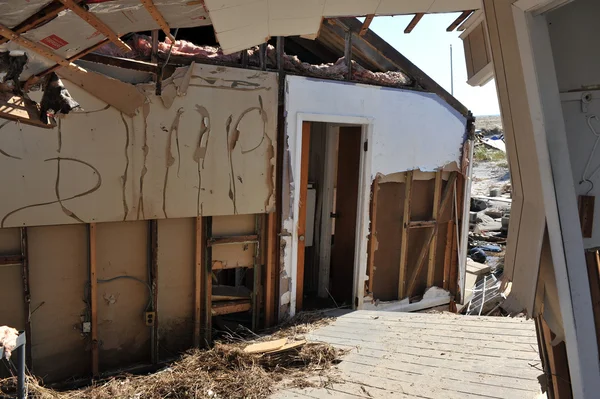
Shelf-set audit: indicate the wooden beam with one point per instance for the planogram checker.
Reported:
(160, 20)
(93, 298)
(413, 22)
(270, 268)
(348, 53)
(33, 46)
(228, 307)
(366, 24)
(448, 190)
(257, 266)
(448, 254)
(207, 283)
(153, 235)
(96, 23)
(10, 260)
(419, 224)
(461, 18)
(302, 214)
(198, 266)
(373, 234)
(249, 239)
(42, 16)
(408, 184)
(437, 192)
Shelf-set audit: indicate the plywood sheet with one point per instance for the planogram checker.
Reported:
(124, 338)
(176, 250)
(211, 153)
(58, 262)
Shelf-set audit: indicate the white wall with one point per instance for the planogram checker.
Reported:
(211, 152)
(574, 33)
(408, 130)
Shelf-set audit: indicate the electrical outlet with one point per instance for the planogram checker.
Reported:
(86, 327)
(149, 317)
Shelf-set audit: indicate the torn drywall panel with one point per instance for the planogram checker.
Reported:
(211, 153)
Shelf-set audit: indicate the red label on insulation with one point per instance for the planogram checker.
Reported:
(54, 42)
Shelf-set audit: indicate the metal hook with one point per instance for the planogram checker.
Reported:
(589, 122)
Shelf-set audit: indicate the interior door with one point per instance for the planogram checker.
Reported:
(344, 240)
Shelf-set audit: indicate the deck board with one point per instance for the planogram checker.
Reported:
(432, 356)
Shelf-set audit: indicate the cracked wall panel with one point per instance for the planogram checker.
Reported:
(235, 113)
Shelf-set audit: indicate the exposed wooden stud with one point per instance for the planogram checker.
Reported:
(348, 54)
(198, 267)
(413, 22)
(461, 18)
(33, 46)
(448, 254)
(373, 234)
(408, 184)
(93, 298)
(248, 239)
(302, 214)
(207, 283)
(42, 16)
(154, 52)
(256, 286)
(557, 368)
(366, 24)
(446, 196)
(158, 17)
(262, 56)
(96, 23)
(437, 192)
(280, 48)
(270, 268)
(11, 260)
(153, 241)
(26, 295)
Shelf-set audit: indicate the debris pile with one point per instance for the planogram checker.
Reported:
(141, 48)
(232, 368)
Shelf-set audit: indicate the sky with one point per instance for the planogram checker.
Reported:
(428, 47)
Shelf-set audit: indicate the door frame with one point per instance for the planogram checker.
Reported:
(362, 213)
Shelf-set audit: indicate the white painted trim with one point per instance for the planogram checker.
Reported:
(560, 202)
(538, 7)
(362, 208)
(471, 23)
(326, 205)
(482, 77)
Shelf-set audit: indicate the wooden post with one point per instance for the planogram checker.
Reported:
(26, 295)
(348, 53)
(448, 253)
(153, 225)
(93, 298)
(408, 184)
(270, 275)
(198, 266)
(373, 234)
(207, 286)
(437, 192)
(302, 213)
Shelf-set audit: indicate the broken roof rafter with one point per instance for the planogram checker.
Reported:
(461, 18)
(158, 17)
(95, 22)
(414, 22)
(366, 24)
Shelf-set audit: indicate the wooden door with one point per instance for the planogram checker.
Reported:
(344, 240)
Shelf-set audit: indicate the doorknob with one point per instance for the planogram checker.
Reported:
(301, 238)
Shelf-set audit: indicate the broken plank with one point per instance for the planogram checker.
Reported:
(158, 17)
(248, 239)
(366, 24)
(461, 18)
(437, 192)
(228, 307)
(33, 46)
(94, 21)
(408, 184)
(413, 22)
(263, 347)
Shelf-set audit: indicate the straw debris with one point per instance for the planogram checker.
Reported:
(224, 371)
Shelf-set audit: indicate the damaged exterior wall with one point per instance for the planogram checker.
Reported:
(210, 153)
(409, 131)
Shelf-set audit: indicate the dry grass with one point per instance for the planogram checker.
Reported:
(225, 371)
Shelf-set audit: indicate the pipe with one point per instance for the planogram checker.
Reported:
(464, 236)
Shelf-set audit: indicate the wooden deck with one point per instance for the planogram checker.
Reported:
(417, 355)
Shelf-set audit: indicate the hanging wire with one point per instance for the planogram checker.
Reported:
(150, 296)
(588, 179)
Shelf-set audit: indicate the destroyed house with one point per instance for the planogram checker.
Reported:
(157, 192)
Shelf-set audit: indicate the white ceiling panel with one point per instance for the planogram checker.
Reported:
(342, 8)
(242, 38)
(391, 7)
(294, 26)
(286, 9)
(454, 5)
(215, 5)
(240, 16)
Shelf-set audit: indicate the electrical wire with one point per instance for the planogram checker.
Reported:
(588, 179)
(151, 296)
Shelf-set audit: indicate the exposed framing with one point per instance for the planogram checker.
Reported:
(362, 226)
(437, 192)
(93, 297)
(413, 23)
(158, 17)
(303, 192)
(408, 183)
(198, 268)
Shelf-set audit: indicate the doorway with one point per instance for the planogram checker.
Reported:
(328, 214)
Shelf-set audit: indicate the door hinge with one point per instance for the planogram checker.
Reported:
(366, 146)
